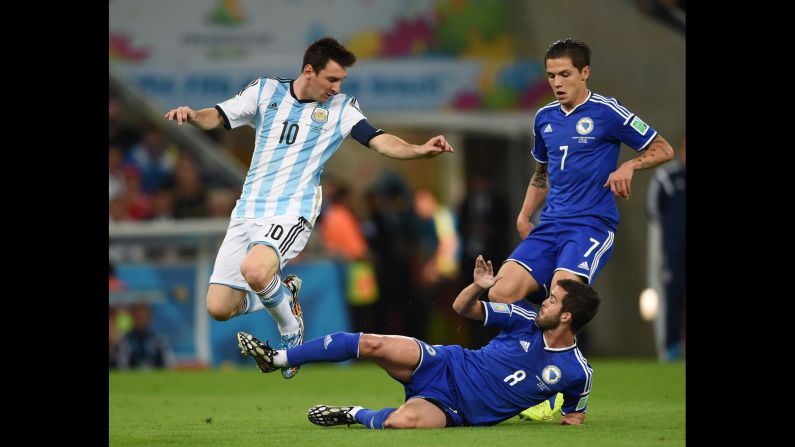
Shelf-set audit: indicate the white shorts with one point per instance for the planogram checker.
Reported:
(287, 235)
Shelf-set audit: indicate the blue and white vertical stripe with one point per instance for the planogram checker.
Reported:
(284, 176)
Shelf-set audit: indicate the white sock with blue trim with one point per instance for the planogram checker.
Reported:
(276, 299)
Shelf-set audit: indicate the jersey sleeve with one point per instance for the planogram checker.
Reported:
(539, 151)
(628, 127)
(509, 317)
(575, 396)
(351, 115)
(242, 108)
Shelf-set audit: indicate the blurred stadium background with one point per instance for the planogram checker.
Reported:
(472, 70)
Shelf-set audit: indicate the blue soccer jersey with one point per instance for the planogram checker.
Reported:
(581, 149)
(516, 370)
(293, 140)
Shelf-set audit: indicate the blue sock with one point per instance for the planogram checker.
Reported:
(373, 418)
(331, 348)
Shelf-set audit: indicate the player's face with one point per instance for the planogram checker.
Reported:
(549, 313)
(327, 82)
(568, 84)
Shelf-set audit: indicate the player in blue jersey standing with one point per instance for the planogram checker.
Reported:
(534, 357)
(299, 123)
(577, 142)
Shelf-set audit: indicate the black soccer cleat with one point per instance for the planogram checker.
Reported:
(262, 352)
(326, 416)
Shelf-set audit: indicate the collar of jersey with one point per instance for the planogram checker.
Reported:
(292, 93)
(561, 106)
(547, 348)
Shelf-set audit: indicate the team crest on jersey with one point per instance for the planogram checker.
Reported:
(430, 350)
(320, 115)
(551, 374)
(584, 126)
(639, 125)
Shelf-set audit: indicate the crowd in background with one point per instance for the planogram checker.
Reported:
(150, 178)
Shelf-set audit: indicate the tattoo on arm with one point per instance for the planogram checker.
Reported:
(649, 158)
(539, 179)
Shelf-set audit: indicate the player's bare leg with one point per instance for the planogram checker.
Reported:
(396, 354)
(565, 274)
(513, 283)
(224, 302)
(417, 413)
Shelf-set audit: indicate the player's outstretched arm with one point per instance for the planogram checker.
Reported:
(467, 303)
(620, 181)
(572, 419)
(203, 119)
(395, 147)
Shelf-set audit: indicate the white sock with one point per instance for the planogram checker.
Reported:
(284, 317)
(355, 410)
(280, 359)
(281, 312)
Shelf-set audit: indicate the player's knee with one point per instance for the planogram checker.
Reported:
(402, 418)
(219, 308)
(370, 345)
(256, 276)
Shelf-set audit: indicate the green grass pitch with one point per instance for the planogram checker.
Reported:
(633, 403)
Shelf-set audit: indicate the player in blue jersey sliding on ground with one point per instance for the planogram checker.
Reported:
(299, 123)
(577, 143)
(534, 357)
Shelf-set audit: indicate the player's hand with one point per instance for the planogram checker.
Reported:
(484, 273)
(524, 227)
(436, 146)
(181, 114)
(620, 181)
(572, 419)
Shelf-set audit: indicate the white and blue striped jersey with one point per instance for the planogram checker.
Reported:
(581, 148)
(516, 370)
(293, 140)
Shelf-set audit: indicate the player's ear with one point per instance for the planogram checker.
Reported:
(308, 70)
(586, 72)
(565, 317)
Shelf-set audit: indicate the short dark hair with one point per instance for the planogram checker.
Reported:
(321, 50)
(577, 51)
(581, 301)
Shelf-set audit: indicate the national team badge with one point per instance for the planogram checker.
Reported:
(584, 126)
(320, 115)
(551, 374)
(430, 350)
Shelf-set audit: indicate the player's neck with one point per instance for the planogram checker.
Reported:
(560, 337)
(299, 88)
(577, 102)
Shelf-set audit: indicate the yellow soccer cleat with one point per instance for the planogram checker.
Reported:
(544, 411)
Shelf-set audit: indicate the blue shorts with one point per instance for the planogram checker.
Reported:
(432, 381)
(580, 246)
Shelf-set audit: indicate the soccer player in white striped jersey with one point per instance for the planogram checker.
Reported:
(577, 143)
(299, 124)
